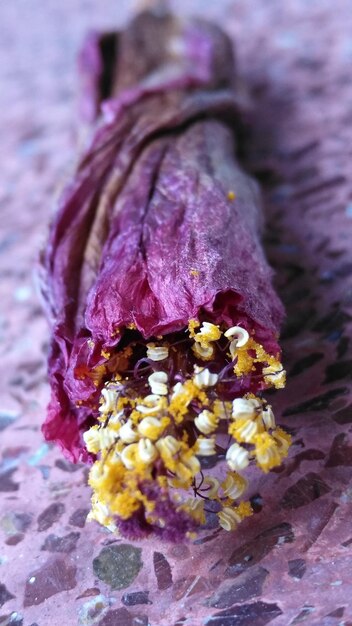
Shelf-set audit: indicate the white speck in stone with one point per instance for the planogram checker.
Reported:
(22, 294)
(31, 580)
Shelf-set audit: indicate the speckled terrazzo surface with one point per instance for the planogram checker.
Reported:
(290, 563)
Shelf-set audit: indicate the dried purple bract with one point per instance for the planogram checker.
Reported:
(164, 319)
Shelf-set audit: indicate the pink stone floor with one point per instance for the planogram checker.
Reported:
(291, 562)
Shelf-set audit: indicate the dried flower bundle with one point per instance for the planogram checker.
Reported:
(164, 319)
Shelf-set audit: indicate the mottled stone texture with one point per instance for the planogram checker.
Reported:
(118, 565)
(290, 563)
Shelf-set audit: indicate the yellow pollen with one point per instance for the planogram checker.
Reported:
(124, 504)
(250, 354)
(97, 374)
(192, 325)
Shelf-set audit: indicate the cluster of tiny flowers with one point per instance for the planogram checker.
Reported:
(161, 437)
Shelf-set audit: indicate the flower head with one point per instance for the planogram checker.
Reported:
(164, 320)
(160, 438)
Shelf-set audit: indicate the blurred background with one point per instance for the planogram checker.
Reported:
(290, 564)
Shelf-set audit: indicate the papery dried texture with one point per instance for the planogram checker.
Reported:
(160, 226)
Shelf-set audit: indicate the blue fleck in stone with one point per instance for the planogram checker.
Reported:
(288, 248)
(39, 454)
(6, 419)
(335, 335)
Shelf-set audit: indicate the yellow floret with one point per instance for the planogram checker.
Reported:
(152, 427)
(178, 406)
(245, 363)
(283, 440)
(222, 409)
(244, 430)
(192, 325)
(101, 514)
(273, 372)
(195, 508)
(91, 439)
(234, 485)
(177, 483)
(208, 332)
(228, 519)
(203, 350)
(275, 375)
(266, 451)
(244, 509)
